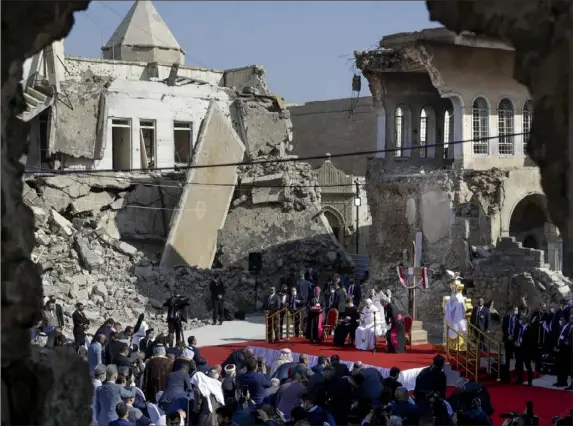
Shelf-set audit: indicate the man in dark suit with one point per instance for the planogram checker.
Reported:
(304, 289)
(199, 360)
(340, 369)
(122, 359)
(563, 353)
(525, 348)
(239, 359)
(294, 303)
(339, 297)
(481, 319)
(177, 384)
(510, 329)
(217, 289)
(272, 306)
(431, 379)
(391, 382)
(107, 396)
(355, 291)
(80, 324)
(254, 382)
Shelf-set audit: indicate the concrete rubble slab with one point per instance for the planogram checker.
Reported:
(202, 209)
(93, 201)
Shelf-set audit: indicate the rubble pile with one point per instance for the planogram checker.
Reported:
(82, 221)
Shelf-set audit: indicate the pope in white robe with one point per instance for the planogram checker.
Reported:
(370, 326)
(455, 317)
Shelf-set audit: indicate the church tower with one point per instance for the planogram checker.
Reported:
(143, 36)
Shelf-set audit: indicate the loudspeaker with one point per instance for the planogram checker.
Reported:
(255, 261)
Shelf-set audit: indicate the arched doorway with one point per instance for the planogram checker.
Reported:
(528, 221)
(337, 227)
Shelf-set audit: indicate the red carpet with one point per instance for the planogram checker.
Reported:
(505, 398)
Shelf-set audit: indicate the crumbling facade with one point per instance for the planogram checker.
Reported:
(455, 127)
(339, 126)
(139, 202)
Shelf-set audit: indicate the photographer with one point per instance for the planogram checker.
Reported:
(176, 315)
(528, 418)
(471, 413)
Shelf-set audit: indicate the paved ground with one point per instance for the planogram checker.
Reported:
(230, 332)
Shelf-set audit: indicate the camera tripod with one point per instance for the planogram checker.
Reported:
(256, 299)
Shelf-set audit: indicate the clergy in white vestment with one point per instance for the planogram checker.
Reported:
(370, 327)
(455, 317)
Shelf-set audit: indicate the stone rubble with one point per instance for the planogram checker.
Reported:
(79, 246)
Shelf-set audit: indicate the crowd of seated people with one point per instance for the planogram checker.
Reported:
(149, 383)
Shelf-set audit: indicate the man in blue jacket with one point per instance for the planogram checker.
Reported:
(177, 384)
(254, 382)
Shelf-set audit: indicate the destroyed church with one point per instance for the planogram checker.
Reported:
(117, 176)
(452, 129)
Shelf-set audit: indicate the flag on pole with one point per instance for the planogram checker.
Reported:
(424, 279)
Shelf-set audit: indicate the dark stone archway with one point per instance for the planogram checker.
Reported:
(528, 221)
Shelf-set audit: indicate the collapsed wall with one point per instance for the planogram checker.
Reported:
(120, 243)
(457, 213)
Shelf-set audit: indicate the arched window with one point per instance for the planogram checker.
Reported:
(423, 133)
(480, 126)
(505, 128)
(527, 117)
(400, 132)
(448, 131)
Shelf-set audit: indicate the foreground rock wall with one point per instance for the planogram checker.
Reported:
(35, 387)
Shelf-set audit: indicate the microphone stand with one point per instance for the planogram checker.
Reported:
(374, 334)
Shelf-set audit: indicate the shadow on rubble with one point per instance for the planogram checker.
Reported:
(245, 291)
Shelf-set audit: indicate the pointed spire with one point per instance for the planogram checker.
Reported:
(143, 36)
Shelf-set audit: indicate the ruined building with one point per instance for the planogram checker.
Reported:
(140, 108)
(339, 126)
(455, 125)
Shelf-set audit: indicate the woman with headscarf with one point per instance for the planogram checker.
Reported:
(369, 328)
(348, 323)
(284, 357)
(156, 371)
(314, 329)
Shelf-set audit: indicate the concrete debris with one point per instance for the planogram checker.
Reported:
(109, 258)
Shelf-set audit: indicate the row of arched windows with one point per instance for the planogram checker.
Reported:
(427, 125)
(505, 126)
(480, 128)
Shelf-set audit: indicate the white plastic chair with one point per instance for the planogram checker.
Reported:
(155, 413)
(158, 396)
(139, 392)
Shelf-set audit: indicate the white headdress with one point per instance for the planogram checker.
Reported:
(386, 297)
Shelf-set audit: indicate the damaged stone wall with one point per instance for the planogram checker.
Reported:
(460, 216)
(77, 118)
(265, 126)
(35, 386)
(277, 206)
(512, 271)
(133, 207)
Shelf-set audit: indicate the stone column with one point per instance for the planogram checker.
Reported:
(380, 130)
(554, 247)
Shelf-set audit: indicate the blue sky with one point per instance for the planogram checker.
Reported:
(306, 47)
